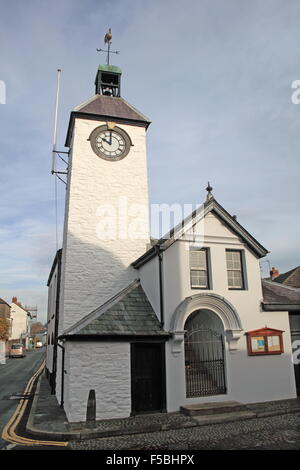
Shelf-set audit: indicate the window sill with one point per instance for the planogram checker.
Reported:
(200, 288)
(237, 288)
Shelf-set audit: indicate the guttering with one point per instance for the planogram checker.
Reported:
(151, 253)
(280, 307)
(162, 336)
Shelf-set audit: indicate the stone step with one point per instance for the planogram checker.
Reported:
(204, 409)
(223, 417)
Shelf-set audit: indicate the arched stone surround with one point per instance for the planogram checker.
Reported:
(217, 304)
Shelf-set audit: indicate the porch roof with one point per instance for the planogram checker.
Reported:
(129, 313)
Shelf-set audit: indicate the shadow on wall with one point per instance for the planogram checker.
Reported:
(93, 275)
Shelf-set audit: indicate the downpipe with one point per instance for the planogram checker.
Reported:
(62, 374)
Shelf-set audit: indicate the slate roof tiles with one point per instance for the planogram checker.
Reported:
(131, 314)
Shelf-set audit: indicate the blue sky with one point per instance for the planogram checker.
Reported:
(213, 76)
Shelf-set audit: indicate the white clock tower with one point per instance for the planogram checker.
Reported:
(106, 224)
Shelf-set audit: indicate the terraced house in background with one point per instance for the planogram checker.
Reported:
(154, 326)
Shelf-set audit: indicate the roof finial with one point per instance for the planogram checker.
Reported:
(107, 40)
(209, 190)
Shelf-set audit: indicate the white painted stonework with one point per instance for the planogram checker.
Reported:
(93, 269)
(104, 367)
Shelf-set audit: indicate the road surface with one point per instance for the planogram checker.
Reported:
(14, 376)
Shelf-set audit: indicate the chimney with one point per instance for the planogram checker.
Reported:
(15, 301)
(274, 273)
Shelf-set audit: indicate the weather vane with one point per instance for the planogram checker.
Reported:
(107, 40)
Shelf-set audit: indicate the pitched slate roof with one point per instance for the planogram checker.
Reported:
(4, 302)
(290, 278)
(128, 313)
(108, 108)
(211, 205)
(279, 297)
(111, 106)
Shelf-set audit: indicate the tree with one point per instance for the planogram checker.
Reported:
(4, 329)
(37, 327)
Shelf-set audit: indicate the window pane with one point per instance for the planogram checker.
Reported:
(235, 279)
(233, 259)
(198, 259)
(199, 278)
(234, 269)
(198, 267)
(229, 264)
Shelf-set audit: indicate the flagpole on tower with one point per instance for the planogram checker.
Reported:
(57, 153)
(55, 123)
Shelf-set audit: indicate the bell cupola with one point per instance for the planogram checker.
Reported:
(108, 80)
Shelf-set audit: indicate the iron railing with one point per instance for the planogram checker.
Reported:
(204, 363)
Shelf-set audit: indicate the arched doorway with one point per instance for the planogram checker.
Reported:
(204, 354)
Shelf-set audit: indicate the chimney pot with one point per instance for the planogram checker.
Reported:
(274, 273)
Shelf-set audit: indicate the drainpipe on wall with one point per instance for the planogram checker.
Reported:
(161, 291)
(62, 374)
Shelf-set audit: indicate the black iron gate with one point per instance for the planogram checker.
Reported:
(204, 362)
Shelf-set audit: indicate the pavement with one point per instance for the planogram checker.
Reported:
(47, 420)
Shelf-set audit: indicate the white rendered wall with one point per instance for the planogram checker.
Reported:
(249, 379)
(104, 367)
(19, 319)
(93, 269)
(149, 277)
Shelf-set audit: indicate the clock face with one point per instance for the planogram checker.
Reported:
(110, 144)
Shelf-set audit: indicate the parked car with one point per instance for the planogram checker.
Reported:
(39, 344)
(17, 350)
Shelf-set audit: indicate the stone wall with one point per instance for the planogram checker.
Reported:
(104, 367)
(93, 268)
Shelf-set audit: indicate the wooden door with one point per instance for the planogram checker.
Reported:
(147, 377)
